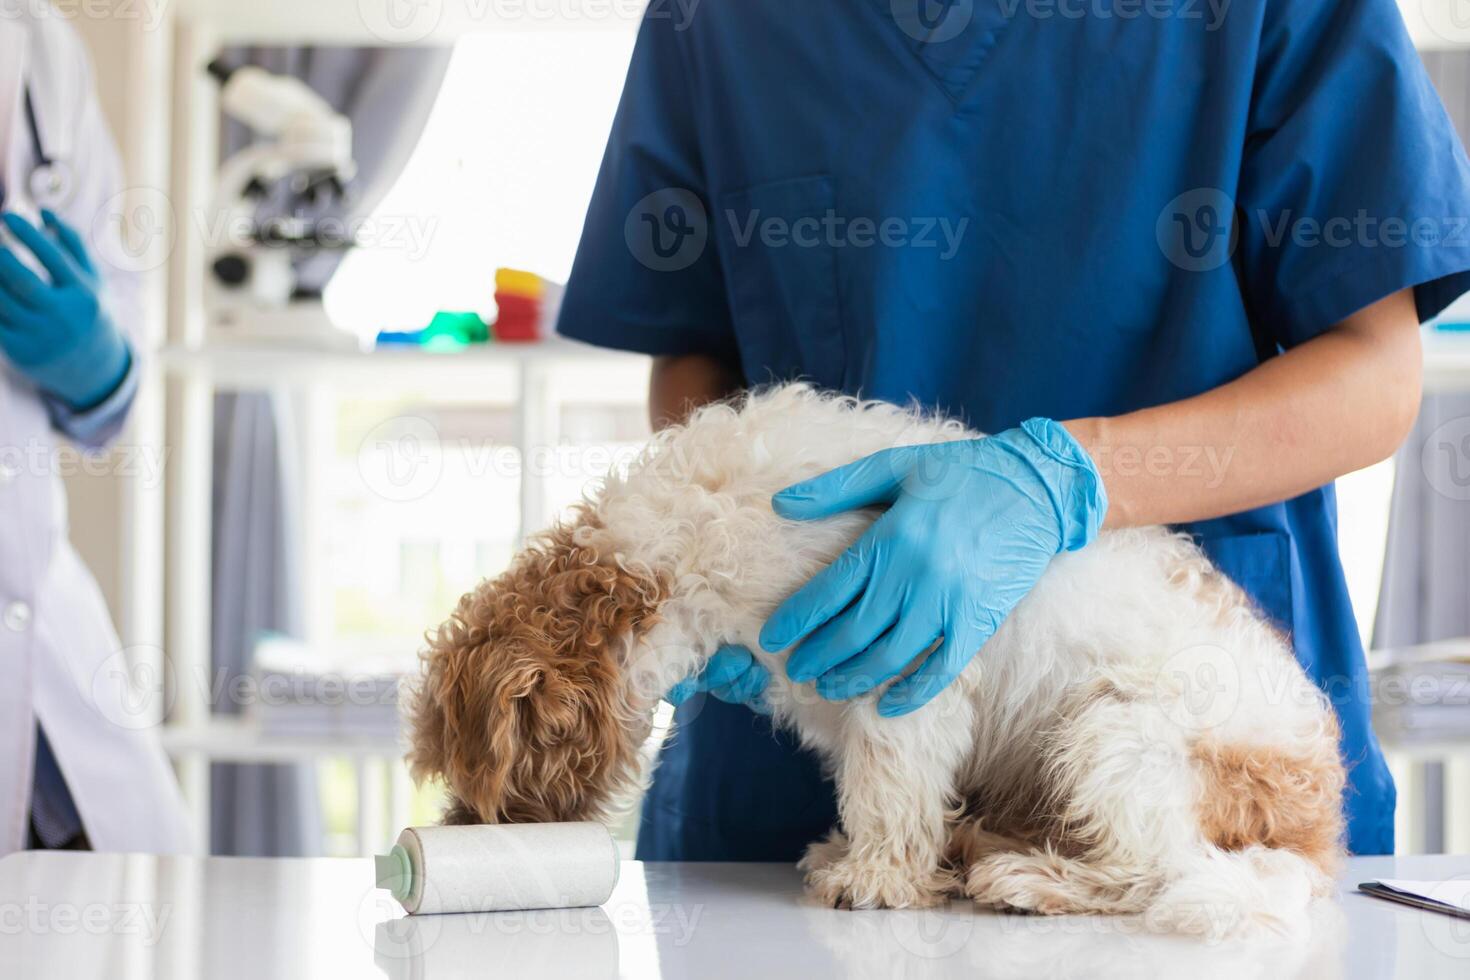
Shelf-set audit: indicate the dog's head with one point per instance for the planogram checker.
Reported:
(520, 708)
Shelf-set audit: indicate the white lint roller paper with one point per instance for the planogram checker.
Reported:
(500, 867)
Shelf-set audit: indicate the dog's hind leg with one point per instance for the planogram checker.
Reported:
(1118, 812)
(895, 788)
(1126, 834)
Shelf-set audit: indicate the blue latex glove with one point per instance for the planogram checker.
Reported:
(970, 529)
(58, 333)
(732, 675)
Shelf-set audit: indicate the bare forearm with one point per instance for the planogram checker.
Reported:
(678, 385)
(1337, 403)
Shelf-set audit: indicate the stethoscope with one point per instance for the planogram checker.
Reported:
(49, 182)
(50, 179)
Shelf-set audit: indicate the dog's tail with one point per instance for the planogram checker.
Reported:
(1228, 894)
(1213, 894)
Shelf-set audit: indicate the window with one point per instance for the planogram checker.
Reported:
(501, 175)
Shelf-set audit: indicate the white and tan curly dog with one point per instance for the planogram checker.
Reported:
(1135, 739)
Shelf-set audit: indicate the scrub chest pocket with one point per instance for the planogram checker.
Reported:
(1260, 564)
(782, 277)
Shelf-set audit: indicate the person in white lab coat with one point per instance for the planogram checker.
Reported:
(74, 771)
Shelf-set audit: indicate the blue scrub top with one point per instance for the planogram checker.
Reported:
(1008, 208)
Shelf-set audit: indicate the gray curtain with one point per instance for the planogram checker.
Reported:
(272, 810)
(256, 810)
(1426, 568)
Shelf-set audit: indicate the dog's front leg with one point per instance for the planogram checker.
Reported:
(895, 785)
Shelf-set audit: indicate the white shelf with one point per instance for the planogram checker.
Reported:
(272, 366)
(226, 739)
(390, 22)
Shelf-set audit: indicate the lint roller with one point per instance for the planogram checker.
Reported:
(500, 867)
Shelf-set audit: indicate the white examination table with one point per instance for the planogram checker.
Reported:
(72, 916)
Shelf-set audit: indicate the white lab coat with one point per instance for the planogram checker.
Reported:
(58, 649)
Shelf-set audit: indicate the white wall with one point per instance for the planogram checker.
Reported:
(129, 45)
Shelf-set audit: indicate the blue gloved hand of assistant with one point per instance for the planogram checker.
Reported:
(732, 675)
(57, 332)
(970, 528)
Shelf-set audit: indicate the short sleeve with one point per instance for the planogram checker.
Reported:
(646, 277)
(1354, 184)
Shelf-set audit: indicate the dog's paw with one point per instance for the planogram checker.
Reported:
(824, 853)
(850, 884)
(1015, 882)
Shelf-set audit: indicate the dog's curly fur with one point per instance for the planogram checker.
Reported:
(522, 703)
(1084, 761)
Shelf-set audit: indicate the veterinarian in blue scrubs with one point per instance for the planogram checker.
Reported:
(1200, 235)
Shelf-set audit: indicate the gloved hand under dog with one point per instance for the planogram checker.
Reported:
(733, 675)
(970, 528)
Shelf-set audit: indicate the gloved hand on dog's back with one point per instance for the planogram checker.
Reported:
(733, 675)
(970, 528)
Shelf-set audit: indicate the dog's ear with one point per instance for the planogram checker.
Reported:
(520, 707)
